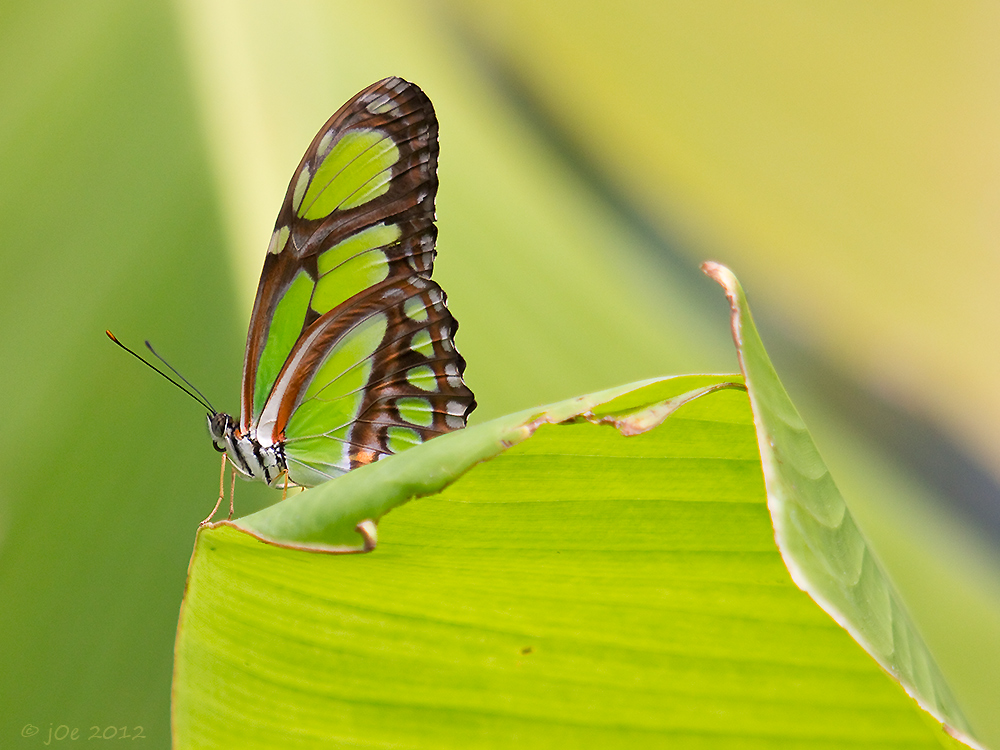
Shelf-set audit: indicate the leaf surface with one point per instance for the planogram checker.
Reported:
(600, 572)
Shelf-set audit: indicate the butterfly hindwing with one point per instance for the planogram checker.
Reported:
(398, 340)
(350, 353)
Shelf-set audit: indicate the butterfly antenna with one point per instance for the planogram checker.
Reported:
(202, 400)
(174, 371)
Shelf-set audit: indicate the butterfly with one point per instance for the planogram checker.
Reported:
(350, 356)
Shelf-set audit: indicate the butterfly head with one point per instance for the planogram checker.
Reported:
(220, 425)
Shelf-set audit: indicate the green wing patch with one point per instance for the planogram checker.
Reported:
(356, 170)
(352, 276)
(333, 397)
(377, 236)
(284, 331)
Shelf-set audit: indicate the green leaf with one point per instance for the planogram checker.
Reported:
(825, 552)
(601, 572)
(327, 518)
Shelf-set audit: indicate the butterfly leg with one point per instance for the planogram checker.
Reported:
(232, 491)
(222, 493)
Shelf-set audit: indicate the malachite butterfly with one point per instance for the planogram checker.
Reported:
(350, 356)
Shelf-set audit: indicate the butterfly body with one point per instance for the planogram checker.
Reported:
(350, 355)
(246, 454)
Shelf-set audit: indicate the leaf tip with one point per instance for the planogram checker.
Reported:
(960, 736)
(731, 286)
(721, 274)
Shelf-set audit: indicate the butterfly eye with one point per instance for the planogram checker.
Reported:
(218, 425)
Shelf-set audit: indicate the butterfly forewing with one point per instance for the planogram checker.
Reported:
(350, 354)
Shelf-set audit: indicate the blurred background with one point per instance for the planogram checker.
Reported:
(842, 159)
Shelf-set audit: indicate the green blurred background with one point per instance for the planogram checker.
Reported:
(842, 159)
